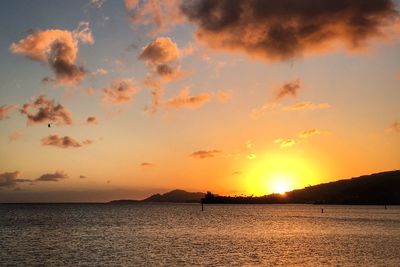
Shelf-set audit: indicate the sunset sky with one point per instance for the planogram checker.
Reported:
(234, 97)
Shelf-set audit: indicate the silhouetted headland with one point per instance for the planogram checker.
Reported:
(375, 189)
(174, 196)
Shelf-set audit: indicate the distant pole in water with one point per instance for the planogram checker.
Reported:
(385, 207)
(322, 210)
(202, 206)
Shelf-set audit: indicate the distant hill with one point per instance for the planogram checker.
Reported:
(179, 196)
(375, 189)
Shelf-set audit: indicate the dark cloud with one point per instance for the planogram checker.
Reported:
(52, 177)
(82, 177)
(63, 141)
(184, 99)
(288, 89)
(91, 120)
(120, 91)
(46, 111)
(10, 179)
(146, 164)
(5, 111)
(280, 30)
(59, 48)
(202, 154)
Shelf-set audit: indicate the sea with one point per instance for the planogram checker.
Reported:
(184, 235)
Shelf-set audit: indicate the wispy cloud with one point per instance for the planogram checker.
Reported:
(63, 141)
(394, 127)
(288, 89)
(52, 177)
(283, 143)
(309, 133)
(203, 154)
(161, 15)
(97, 3)
(257, 112)
(14, 136)
(146, 164)
(120, 91)
(99, 72)
(5, 110)
(184, 99)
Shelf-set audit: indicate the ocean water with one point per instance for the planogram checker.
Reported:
(183, 235)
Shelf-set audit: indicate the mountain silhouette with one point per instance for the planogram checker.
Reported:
(375, 189)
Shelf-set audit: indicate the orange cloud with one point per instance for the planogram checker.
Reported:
(63, 141)
(46, 111)
(59, 49)
(162, 15)
(120, 91)
(162, 57)
(202, 154)
(223, 96)
(281, 30)
(184, 99)
(307, 106)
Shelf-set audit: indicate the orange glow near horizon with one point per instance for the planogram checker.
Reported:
(280, 174)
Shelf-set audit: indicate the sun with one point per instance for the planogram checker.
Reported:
(281, 184)
(279, 173)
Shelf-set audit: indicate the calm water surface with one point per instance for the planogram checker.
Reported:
(183, 235)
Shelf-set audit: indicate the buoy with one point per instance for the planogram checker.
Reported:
(322, 210)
